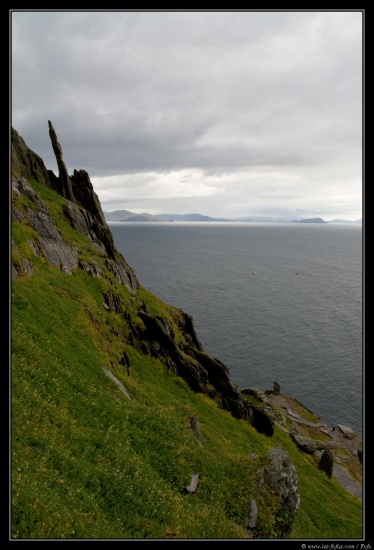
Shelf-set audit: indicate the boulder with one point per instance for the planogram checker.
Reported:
(279, 487)
(251, 520)
(195, 425)
(191, 488)
(326, 463)
(255, 392)
(346, 431)
(309, 446)
(262, 422)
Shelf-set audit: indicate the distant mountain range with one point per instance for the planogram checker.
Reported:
(127, 216)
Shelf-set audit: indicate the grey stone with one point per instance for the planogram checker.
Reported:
(195, 425)
(348, 432)
(309, 446)
(191, 488)
(116, 381)
(279, 479)
(251, 521)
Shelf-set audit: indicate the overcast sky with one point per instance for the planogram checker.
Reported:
(228, 114)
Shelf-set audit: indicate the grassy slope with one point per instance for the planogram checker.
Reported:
(89, 463)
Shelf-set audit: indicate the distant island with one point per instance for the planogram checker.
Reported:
(310, 220)
(128, 216)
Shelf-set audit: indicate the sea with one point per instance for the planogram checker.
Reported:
(273, 301)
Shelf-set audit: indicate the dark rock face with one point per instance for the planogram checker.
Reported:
(188, 325)
(27, 164)
(112, 302)
(84, 193)
(123, 272)
(83, 221)
(262, 419)
(92, 269)
(89, 218)
(262, 422)
(204, 375)
(159, 330)
(78, 187)
(326, 464)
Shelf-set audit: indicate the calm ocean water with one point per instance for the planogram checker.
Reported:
(272, 301)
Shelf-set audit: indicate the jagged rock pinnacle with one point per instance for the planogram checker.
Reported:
(66, 186)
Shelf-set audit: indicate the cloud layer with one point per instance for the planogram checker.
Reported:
(223, 113)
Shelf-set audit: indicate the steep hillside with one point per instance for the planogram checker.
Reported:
(122, 426)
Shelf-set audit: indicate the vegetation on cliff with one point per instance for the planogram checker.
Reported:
(89, 461)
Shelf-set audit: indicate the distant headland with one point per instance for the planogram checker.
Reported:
(128, 216)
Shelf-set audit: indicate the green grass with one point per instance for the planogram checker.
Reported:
(89, 463)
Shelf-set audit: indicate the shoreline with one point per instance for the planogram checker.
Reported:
(312, 435)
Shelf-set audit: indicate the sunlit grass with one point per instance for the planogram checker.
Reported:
(88, 463)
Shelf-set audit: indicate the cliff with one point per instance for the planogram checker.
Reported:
(83, 212)
(79, 317)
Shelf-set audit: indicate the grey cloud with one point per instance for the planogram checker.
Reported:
(134, 92)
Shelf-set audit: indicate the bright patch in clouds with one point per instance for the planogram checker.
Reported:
(185, 187)
(176, 184)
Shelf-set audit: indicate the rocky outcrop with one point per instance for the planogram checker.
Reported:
(262, 421)
(346, 431)
(27, 164)
(112, 302)
(338, 442)
(82, 209)
(78, 187)
(278, 484)
(65, 187)
(81, 220)
(48, 242)
(308, 445)
(203, 374)
(263, 413)
(85, 195)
